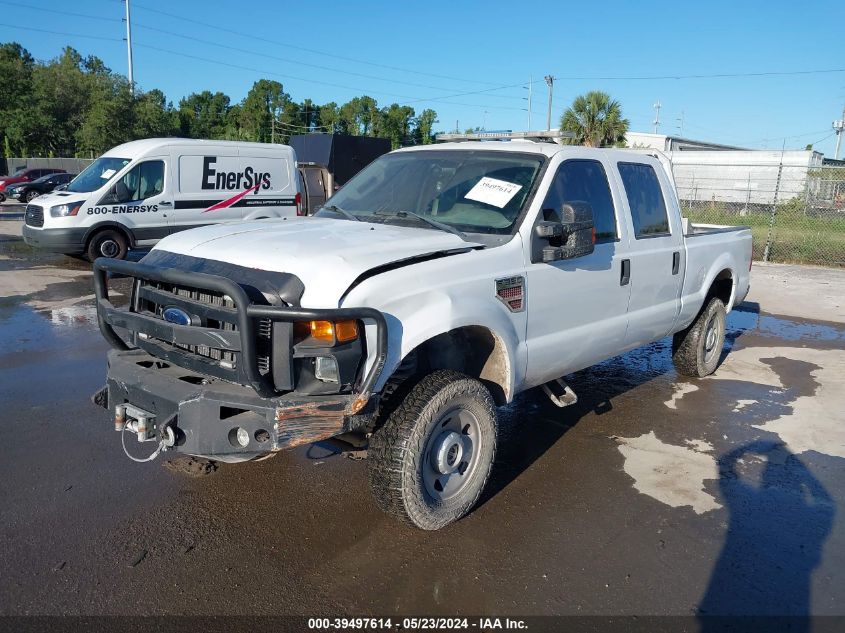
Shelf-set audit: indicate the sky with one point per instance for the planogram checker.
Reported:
(472, 61)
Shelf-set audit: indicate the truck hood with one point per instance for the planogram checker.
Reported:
(327, 255)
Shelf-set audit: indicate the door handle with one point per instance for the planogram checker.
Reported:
(676, 262)
(626, 272)
(164, 204)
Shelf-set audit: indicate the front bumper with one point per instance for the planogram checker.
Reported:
(205, 413)
(69, 241)
(206, 406)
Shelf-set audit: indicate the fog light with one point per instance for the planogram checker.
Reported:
(325, 369)
(239, 436)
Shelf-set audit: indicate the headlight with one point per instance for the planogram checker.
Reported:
(64, 210)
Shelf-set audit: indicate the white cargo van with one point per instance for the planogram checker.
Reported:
(142, 191)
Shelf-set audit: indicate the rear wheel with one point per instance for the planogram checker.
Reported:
(430, 461)
(697, 350)
(108, 243)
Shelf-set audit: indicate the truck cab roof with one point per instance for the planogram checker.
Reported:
(523, 146)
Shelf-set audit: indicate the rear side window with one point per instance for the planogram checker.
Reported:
(583, 181)
(648, 208)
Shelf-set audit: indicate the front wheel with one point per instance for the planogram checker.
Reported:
(30, 195)
(432, 458)
(108, 243)
(697, 350)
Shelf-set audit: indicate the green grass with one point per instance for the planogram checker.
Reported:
(796, 238)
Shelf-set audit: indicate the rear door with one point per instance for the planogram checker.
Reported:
(656, 251)
(577, 308)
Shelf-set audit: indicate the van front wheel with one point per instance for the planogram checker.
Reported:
(432, 458)
(108, 243)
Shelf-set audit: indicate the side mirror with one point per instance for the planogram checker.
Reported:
(572, 236)
(121, 192)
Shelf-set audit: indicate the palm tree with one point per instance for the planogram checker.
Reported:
(596, 120)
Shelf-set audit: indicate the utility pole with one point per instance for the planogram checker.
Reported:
(839, 126)
(530, 88)
(681, 124)
(129, 49)
(657, 106)
(550, 82)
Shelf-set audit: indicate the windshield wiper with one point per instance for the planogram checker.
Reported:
(343, 212)
(427, 220)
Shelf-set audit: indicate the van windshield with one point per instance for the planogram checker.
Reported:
(97, 174)
(469, 190)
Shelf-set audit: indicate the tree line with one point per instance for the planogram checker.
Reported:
(76, 106)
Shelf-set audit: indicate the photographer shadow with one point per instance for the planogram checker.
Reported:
(776, 532)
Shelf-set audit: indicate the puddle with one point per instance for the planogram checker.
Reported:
(673, 475)
(740, 322)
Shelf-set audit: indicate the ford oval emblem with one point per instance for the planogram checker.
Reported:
(177, 316)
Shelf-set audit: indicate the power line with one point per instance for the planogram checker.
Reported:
(65, 33)
(19, 5)
(358, 90)
(252, 36)
(300, 63)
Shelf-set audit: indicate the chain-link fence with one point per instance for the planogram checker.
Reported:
(70, 165)
(796, 211)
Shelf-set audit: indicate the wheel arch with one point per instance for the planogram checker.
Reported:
(102, 226)
(474, 350)
(483, 349)
(723, 286)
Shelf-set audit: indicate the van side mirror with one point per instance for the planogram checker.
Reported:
(572, 236)
(117, 194)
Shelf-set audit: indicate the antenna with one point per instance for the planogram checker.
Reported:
(657, 106)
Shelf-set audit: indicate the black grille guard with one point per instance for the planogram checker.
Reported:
(243, 341)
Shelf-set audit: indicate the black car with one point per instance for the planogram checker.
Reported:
(26, 191)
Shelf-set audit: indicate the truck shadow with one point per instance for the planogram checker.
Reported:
(531, 424)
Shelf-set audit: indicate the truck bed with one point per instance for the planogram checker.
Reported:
(694, 230)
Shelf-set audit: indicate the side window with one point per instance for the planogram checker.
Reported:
(648, 208)
(583, 181)
(143, 181)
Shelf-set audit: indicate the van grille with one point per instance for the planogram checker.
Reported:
(226, 359)
(34, 215)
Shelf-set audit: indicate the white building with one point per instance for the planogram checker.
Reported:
(708, 172)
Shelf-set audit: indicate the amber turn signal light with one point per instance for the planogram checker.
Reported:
(330, 332)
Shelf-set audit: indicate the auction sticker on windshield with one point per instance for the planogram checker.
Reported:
(493, 191)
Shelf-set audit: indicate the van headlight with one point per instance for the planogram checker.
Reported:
(64, 210)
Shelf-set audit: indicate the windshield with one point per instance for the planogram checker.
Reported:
(44, 178)
(97, 174)
(469, 190)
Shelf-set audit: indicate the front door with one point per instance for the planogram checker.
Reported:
(577, 308)
(140, 198)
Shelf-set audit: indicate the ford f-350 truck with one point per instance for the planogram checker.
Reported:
(436, 285)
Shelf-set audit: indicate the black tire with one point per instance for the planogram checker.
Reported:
(697, 350)
(446, 414)
(30, 195)
(107, 243)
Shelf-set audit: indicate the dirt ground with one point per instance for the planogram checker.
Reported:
(654, 495)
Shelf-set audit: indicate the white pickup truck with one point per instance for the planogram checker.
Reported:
(437, 284)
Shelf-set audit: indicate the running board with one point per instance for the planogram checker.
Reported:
(560, 393)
